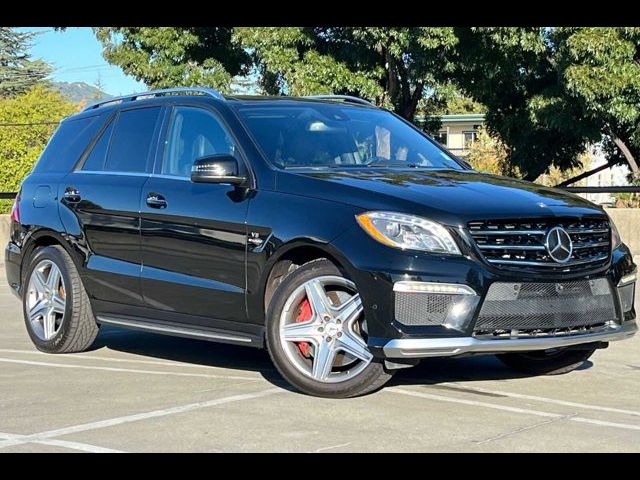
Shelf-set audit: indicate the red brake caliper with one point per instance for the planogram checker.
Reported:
(304, 314)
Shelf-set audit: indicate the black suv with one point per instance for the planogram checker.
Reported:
(333, 233)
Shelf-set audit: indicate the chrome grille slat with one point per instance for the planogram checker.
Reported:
(547, 264)
(520, 244)
(485, 246)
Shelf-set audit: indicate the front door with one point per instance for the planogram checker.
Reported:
(193, 234)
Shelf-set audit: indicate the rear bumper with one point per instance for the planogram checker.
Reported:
(12, 265)
(447, 347)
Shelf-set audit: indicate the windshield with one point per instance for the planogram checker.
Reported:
(324, 135)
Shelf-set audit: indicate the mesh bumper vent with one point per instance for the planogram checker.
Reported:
(541, 307)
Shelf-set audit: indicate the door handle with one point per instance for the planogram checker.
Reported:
(155, 200)
(72, 195)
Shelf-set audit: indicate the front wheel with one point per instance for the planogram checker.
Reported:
(547, 362)
(316, 334)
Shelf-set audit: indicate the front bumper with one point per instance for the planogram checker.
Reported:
(451, 346)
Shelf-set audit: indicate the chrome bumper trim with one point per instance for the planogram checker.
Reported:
(447, 347)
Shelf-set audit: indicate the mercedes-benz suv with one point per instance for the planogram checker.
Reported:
(334, 234)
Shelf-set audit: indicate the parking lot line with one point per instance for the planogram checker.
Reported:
(84, 447)
(565, 403)
(82, 356)
(128, 370)
(526, 411)
(50, 434)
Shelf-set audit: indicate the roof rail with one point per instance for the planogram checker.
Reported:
(342, 98)
(157, 93)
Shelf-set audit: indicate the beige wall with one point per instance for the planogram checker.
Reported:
(628, 222)
(455, 137)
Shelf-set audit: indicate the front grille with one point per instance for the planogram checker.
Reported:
(546, 308)
(520, 244)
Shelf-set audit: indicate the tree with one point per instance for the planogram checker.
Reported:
(173, 56)
(600, 69)
(489, 155)
(26, 124)
(18, 73)
(551, 92)
(394, 67)
(391, 66)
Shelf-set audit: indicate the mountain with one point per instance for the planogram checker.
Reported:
(77, 92)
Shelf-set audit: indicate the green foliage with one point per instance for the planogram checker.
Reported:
(174, 56)
(20, 146)
(392, 67)
(550, 92)
(600, 68)
(18, 72)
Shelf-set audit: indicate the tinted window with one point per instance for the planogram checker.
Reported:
(321, 135)
(193, 133)
(95, 160)
(131, 140)
(68, 143)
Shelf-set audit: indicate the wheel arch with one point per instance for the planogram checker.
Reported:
(44, 237)
(296, 252)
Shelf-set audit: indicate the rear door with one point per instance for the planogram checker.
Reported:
(193, 234)
(100, 204)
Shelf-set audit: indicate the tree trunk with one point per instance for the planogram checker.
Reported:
(627, 154)
(583, 175)
(408, 110)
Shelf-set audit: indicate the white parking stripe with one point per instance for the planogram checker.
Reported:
(127, 370)
(495, 406)
(15, 439)
(474, 403)
(585, 406)
(137, 417)
(82, 356)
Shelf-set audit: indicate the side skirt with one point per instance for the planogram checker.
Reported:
(181, 330)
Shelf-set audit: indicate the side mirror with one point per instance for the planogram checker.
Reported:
(222, 168)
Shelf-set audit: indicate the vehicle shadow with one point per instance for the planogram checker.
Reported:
(431, 371)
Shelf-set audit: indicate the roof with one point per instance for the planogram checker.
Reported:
(457, 118)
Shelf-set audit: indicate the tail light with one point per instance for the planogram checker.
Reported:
(15, 210)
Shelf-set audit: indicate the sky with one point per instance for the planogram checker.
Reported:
(76, 56)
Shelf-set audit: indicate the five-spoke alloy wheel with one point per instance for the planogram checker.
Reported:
(46, 299)
(316, 334)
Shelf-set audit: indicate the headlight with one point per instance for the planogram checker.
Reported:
(408, 232)
(616, 241)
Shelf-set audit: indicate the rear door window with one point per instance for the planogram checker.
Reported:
(95, 160)
(125, 144)
(131, 140)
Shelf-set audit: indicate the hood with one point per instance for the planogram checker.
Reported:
(449, 196)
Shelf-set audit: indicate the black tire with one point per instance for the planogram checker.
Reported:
(547, 363)
(371, 378)
(78, 328)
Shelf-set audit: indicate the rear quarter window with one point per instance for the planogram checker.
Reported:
(67, 144)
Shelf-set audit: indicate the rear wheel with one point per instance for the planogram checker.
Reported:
(316, 334)
(547, 362)
(56, 308)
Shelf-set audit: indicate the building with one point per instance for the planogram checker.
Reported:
(458, 132)
(613, 176)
